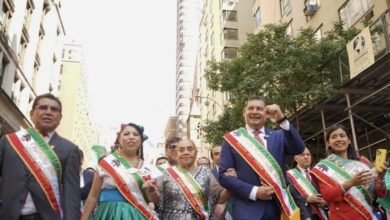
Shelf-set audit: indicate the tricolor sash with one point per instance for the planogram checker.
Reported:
(265, 165)
(191, 189)
(128, 181)
(36, 153)
(332, 175)
(305, 188)
(224, 211)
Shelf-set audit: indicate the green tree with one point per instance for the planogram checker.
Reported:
(292, 72)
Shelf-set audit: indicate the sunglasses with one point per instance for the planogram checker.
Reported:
(172, 146)
(46, 107)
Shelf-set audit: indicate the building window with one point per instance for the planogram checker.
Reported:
(353, 10)
(229, 53)
(229, 15)
(258, 17)
(289, 29)
(22, 48)
(318, 33)
(3, 66)
(6, 14)
(285, 7)
(230, 34)
(27, 15)
(226, 96)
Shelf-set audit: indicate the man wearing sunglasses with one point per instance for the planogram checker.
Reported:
(40, 169)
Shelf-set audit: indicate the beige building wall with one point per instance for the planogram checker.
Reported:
(77, 122)
(318, 14)
(223, 29)
(31, 34)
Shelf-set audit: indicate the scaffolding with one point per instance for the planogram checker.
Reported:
(361, 103)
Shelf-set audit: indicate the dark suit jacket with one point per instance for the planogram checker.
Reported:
(17, 180)
(306, 209)
(88, 179)
(279, 143)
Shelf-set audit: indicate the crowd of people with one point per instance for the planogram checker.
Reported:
(41, 176)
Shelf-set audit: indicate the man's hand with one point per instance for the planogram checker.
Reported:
(316, 200)
(274, 113)
(230, 172)
(264, 192)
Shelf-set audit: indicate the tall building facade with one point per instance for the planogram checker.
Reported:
(188, 18)
(317, 14)
(223, 29)
(77, 121)
(31, 38)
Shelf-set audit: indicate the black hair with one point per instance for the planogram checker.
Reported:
(47, 96)
(161, 158)
(172, 139)
(259, 98)
(140, 131)
(351, 153)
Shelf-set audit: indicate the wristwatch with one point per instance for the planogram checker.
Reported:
(280, 121)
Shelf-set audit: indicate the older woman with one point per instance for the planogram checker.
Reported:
(187, 192)
(123, 183)
(346, 183)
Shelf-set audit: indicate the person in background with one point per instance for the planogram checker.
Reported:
(86, 178)
(345, 182)
(123, 184)
(40, 170)
(203, 161)
(170, 149)
(302, 181)
(224, 208)
(188, 192)
(161, 160)
(258, 156)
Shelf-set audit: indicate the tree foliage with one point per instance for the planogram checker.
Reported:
(292, 72)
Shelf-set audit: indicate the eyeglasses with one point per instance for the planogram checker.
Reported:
(46, 107)
(171, 146)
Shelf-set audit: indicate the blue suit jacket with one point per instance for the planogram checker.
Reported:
(279, 144)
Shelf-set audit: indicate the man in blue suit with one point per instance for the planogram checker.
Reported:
(253, 199)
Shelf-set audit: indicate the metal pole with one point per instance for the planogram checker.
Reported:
(324, 128)
(352, 124)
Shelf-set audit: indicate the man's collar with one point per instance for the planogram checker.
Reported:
(302, 169)
(251, 130)
(50, 134)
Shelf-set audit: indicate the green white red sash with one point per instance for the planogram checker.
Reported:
(332, 175)
(35, 153)
(224, 211)
(191, 189)
(128, 181)
(263, 163)
(305, 188)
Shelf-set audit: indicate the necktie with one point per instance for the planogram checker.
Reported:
(44, 134)
(257, 136)
(307, 175)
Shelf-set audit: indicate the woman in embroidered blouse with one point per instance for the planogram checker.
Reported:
(125, 165)
(173, 202)
(341, 175)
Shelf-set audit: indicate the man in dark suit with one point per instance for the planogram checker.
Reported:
(253, 199)
(313, 202)
(22, 197)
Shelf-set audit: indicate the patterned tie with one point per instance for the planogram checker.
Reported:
(308, 177)
(257, 136)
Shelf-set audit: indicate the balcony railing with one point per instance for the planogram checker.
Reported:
(380, 37)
